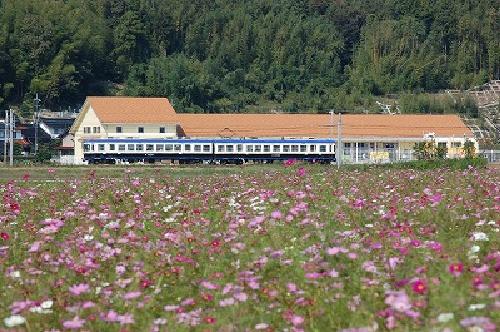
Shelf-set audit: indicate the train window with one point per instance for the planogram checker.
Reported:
(295, 148)
(150, 147)
(131, 147)
(322, 148)
(249, 148)
(169, 147)
(267, 148)
(303, 148)
(312, 148)
(286, 148)
(230, 148)
(101, 147)
(187, 147)
(160, 147)
(139, 147)
(86, 147)
(276, 148)
(239, 147)
(206, 148)
(111, 147)
(258, 148)
(220, 148)
(197, 148)
(121, 147)
(177, 147)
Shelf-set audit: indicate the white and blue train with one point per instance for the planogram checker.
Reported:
(236, 151)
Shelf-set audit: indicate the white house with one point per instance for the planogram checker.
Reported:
(123, 117)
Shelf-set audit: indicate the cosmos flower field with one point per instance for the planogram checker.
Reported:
(288, 248)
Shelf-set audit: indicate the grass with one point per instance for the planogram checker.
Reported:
(304, 247)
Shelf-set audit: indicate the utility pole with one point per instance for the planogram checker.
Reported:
(5, 136)
(339, 140)
(11, 137)
(37, 101)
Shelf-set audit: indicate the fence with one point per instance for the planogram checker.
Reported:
(493, 156)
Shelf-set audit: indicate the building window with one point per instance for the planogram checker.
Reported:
(86, 130)
(442, 145)
(111, 147)
(140, 130)
(456, 144)
(97, 130)
(162, 130)
(119, 130)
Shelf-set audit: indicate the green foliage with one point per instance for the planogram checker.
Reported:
(44, 153)
(226, 56)
(469, 149)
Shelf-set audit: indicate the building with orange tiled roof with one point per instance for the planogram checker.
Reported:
(130, 117)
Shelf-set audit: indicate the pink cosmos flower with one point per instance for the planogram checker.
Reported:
(4, 236)
(79, 289)
(301, 171)
(209, 285)
(456, 269)
(276, 215)
(74, 324)
(419, 286)
(131, 295)
(398, 300)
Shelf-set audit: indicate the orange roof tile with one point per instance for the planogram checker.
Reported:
(132, 110)
(319, 125)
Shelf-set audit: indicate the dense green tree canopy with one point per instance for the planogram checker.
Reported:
(225, 56)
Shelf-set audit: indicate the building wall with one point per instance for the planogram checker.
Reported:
(150, 130)
(91, 120)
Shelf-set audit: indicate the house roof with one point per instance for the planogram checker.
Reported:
(320, 125)
(133, 110)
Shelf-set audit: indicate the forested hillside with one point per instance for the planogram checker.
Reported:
(226, 55)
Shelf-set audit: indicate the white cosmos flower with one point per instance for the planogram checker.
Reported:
(477, 306)
(14, 321)
(480, 236)
(445, 317)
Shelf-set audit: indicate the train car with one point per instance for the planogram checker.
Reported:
(207, 150)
